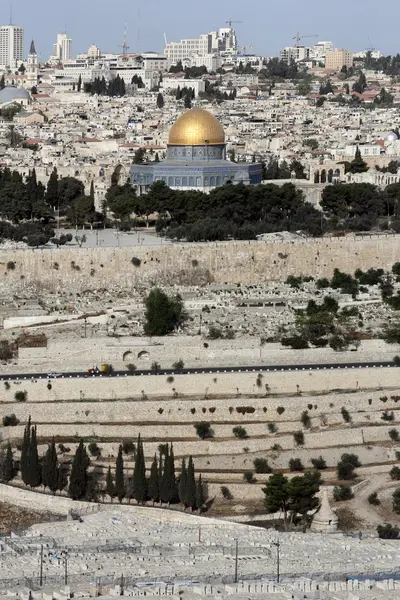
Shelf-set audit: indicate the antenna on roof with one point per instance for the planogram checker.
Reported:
(138, 31)
(124, 45)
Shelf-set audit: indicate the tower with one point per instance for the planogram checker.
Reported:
(11, 46)
(32, 67)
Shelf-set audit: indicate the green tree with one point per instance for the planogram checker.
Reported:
(277, 495)
(163, 314)
(183, 482)
(50, 468)
(139, 474)
(358, 165)
(34, 468)
(26, 442)
(119, 475)
(2, 82)
(7, 465)
(154, 481)
(200, 496)
(82, 211)
(110, 487)
(122, 201)
(51, 195)
(160, 100)
(139, 156)
(396, 501)
(79, 477)
(79, 83)
(169, 492)
(190, 494)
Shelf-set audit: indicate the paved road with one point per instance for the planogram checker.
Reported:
(251, 369)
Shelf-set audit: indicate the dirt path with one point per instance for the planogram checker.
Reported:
(369, 513)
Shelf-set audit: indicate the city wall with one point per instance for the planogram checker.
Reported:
(246, 262)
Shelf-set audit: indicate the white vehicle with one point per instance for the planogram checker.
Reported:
(53, 375)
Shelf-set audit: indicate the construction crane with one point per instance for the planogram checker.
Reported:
(230, 21)
(299, 37)
(243, 49)
(124, 45)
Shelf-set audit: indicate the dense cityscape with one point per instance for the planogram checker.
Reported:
(199, 348)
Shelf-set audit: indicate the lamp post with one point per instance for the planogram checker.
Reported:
(277, 545)
(236, 559)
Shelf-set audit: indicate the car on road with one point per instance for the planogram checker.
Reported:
(53, 375)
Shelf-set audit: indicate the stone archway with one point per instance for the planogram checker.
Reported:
(316, 176)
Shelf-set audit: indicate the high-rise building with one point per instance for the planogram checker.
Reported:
(339, 58)
(221, 42)
(295, 53)
(11, 46)
(62, 49)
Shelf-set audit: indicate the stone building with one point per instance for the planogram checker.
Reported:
(196, 158)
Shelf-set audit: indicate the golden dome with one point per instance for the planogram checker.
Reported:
(196, 127)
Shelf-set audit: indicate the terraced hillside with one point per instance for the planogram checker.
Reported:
(356, 410)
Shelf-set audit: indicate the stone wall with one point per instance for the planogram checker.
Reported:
(236, 262)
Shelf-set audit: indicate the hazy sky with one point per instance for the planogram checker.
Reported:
(267, 24)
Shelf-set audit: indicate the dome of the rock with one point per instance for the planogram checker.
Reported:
(196, 127)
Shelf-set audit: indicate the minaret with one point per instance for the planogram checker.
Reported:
(32, 68)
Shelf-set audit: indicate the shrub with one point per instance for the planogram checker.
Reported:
(276, 447)
(396, 361)
(203, 430)
(280, 410)
(261, 465)
(346, 466)
(342, 492)
(178, 365)
(305, 419)
(136, 261)
(318, 463)
(163, 449)
(395, 473)
(298, 437)
(49, 386)
(131, 367)
(215, 333)
(272, 428)
(387, 416)
(63, 449)
(373, 499)
(155, 366)
(297, 342)
(249, 477)
(94, 449)
(6, 350)
(195, 263)
(21, 396)
(226, 493)
(7, 385)
(239, 432)
(346, 415)
(387, 532)
(10, 265)
(394, 435)
(396, 501)
(170, 379)
(10, 420)
(295, 464)
(383, 398)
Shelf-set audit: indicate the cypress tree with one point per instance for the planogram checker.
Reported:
(50, 468)
(34, 468)
(91, 194)
(190, 496)
(62, 480)
(183, 482)
(161, 466)
(110, 487)
(7, 467)
(154, 485)
(79, 478)
(139, 475)
(129, 489)
(51, 196)
(25, 451)
(169, 490)
(200, 497)
(119, 476)
(80, 83)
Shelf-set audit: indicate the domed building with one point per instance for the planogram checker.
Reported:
(196, 158)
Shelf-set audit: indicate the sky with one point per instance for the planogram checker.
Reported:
(267, 25)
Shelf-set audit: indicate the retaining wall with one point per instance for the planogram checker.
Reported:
(242, 262)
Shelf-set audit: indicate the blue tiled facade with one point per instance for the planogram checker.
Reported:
(195, 167)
